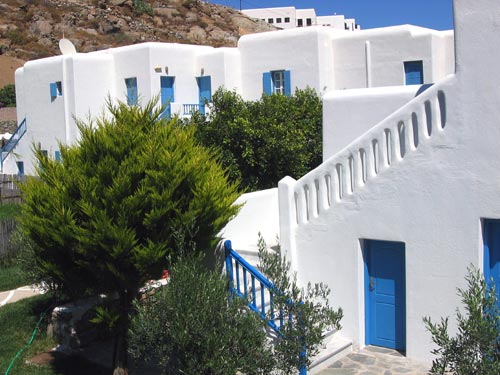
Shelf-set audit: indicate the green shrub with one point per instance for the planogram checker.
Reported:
(309, 307)
(475, 349)
(8, 96)
(17, 36)
(142, 7)
(193, 326)
(263, 141)
(106, 218)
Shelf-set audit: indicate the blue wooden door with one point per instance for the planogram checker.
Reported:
(492, 252)
(205, 89)
(385, 294)
(167, 94)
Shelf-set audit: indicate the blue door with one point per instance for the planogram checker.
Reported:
(385, 294)
(491, 238)
(167, 94)
(205, 89)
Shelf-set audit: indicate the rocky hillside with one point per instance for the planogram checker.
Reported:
(31, 29)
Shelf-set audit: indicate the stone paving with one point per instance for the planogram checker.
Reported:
(374, 360)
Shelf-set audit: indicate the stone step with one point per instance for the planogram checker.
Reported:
(336, 347)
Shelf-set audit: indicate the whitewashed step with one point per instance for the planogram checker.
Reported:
(336, 347)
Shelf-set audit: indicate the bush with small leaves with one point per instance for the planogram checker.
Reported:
(309, 308)
(475, 349)
(194, 326)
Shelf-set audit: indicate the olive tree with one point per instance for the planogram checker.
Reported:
(475, 348)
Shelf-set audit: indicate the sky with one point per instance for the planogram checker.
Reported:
(434, 14)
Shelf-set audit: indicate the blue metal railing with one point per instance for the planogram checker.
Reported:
(243, 279)
(7, 148)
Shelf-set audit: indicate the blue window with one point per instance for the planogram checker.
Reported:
(132, 95)
(55, 90)
(20, 168)
(277, 82)
(414, 72)
(57, 155)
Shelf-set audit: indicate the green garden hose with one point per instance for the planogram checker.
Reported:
(42, 316)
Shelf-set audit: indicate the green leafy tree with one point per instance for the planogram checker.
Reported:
(300, 338)
(263, 141)
(106, 218)
(193, 326)
(8, 96)
(475, 350)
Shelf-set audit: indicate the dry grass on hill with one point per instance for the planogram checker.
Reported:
(8, 66)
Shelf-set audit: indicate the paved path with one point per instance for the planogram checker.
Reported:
(15, 295)
(374, 360)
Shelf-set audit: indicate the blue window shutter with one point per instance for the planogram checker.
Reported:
(266, 83)
(53, 90)
(288, 85)
(132, 94)
(414, 72)
(20, 168)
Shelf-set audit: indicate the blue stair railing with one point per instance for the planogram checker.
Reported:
(7, 148)
(247, 282)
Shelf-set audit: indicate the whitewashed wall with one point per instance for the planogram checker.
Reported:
(375, 57)
(350, 113)
(297, 50)
(259, 214)
(433, 195)
(45, 118)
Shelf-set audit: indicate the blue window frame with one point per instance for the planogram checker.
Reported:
(414, 72)
(132, 94)
(277, 82)
(20, 168)
(55, 90)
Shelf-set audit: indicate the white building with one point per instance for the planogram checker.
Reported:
(52, 92)
(290, 17)
(407, 196)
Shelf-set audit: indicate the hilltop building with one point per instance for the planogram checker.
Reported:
(407, 196)
(290, 17)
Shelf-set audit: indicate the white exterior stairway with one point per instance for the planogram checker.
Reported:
(385, 145)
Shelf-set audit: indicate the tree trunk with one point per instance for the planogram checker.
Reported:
(120, 355)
